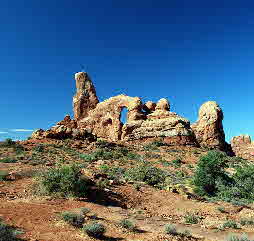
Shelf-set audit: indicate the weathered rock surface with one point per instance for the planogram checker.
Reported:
(85, 98)
(104, 120)
(209, 129)
(242, 146)
(144, 121)
(64, 129)
(160, 123)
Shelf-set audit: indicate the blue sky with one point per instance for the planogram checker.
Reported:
(186, 51)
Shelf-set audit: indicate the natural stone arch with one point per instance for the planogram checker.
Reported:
(110, 109)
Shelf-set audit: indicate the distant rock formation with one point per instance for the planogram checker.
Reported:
(243, 147)
(144, 121)
(85, 98)
(209, 129)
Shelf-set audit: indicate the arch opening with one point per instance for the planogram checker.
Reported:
(124, 115)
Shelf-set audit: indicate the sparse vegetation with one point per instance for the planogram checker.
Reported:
(74, 219)
(65, 181)
(8, 160)
(191, 218)
(127, 224)
(233, 237)
(145, 173)
(95, 230)
(8, 233)
(230, 224)
(3, 175)
(170, 229)
(221, 209)
(177, 162)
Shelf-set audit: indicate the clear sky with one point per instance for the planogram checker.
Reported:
(186, 51)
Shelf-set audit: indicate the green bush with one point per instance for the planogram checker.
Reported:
(95, 230)
(210, 171)
(73, 219)
(65, 181)
(177, 162)
(8, 233)
(39, 148)
(191, 218)
(233, 237)
(113, 173)
(119, 153)
(247, 221)
(8, 160)
(230, 224)
(8, 143)
(170, 229)
(145, 173)
(85, 211)
(221, 209)
(126, 223)
(241, 189)
(3, 175)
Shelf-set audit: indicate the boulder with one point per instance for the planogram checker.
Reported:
(209, 129)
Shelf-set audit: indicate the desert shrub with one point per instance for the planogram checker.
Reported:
(7, 160)
(8, 233)
(221, 209)
(39, 148)
(145, 173)
(170, 229)
(154, 146)
(191, 218)
(241, 189)
(210, 171)
(108, 154)
(113, 173)
(3, 175)
(85, 211)
(230, 224)
(73, 219)
(65, 180)
(177, 162)
(127, 224)
(247, 221)
(95, 230)
(233, 237)
(8, 143)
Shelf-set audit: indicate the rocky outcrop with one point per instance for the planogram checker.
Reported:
(85, 98)
(243, 147)
(160, 123)
(209, 129)
(104, 120)
(64, 129)
(144, 121)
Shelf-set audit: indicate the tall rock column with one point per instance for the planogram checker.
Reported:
(85, 98)
(209, 129)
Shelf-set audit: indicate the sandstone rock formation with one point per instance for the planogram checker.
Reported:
(242, 146)
(85, 98)
(209, 129)
(104, 120)
(66, 128)
(144, 121)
